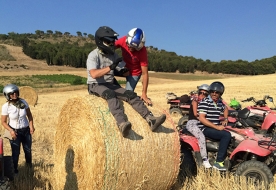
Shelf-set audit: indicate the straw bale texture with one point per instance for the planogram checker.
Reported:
(90, 152)
(29, 94)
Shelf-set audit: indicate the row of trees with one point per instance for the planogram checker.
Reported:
(73, 53)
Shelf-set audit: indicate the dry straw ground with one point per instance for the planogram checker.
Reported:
(50, 104)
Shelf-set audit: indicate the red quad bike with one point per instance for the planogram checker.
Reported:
(179, 106)
(249, 154)
(261, 116)
(6, 169)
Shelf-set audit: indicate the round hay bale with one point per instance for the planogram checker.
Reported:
(29, 94)
(91, 153)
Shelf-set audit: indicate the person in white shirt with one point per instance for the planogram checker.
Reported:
(17, 118)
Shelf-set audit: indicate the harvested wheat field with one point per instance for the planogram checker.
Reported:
(80, 139)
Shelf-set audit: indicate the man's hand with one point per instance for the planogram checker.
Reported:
(220, 127)
(115, 63)
(146, 100)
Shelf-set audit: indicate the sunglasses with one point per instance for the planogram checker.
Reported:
(11, 93)
(204, 93)
(213, 91)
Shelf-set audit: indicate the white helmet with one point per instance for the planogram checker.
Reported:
(136, 38)
(204, 87)
(10, 89)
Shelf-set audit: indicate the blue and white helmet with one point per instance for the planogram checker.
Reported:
(136, 38)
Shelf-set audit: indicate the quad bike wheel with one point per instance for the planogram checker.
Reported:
(256, 172)
(4, 184)
(175, 112)
(188, 167)
(183, 120)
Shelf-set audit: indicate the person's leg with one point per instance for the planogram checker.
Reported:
(193, 128)
(107, 92)
(15, 147)
(27, 146)
(132, 82)
(223, 136)
(139, 106)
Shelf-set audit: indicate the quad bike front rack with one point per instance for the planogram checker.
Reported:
(268, 143)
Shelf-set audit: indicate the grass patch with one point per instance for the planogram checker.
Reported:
(45, 81)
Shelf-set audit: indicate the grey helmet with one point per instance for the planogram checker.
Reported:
(203, 87)
(217, 86)
(10, 89)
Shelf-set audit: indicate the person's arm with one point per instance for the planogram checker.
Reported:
(145, 83)
(194, 104)
(207, 123)
(225, 114)
(31, 121)
(4, 119)
(97, 73)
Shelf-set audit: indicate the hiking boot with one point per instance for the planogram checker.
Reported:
(219, 166)
(124, 128)
(206, 164)
(155, 122)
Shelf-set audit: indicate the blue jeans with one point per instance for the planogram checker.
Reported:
(223, 136)
(23, 136)
(132, 82)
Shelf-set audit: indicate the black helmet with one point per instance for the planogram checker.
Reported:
(103, 36)
(10, 89)
(217, 86)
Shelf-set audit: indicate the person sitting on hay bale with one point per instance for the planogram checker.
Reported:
(101, 63)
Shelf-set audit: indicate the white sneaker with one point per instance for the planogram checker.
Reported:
(206, 164)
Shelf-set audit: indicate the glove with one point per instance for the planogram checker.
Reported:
(115, 63)
(123, 71)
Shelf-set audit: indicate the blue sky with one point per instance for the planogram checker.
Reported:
(207, 29)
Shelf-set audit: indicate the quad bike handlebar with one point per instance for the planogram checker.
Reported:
(260, 102)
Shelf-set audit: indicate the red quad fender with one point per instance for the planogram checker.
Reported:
(192, 141)
(250, 146)
(270, 119)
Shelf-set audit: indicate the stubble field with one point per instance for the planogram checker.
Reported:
(50, 102)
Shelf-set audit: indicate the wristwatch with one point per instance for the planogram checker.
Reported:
(226, 118)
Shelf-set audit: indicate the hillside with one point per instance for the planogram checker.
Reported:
(25, 65)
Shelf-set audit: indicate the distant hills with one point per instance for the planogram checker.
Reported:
(58, 48)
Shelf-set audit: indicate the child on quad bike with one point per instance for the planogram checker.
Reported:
(203, 91)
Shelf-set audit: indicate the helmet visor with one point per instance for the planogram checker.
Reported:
(15, 91)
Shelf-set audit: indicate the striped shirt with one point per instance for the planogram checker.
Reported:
(211, 110)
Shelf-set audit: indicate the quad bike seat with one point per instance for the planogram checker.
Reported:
(185, 99)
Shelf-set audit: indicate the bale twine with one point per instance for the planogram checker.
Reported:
(29, 94)
(90, 152)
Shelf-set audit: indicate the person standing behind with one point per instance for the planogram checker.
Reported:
(193, 121)
(209, 110)
(101, 63)
(135, 56)
(20, 125)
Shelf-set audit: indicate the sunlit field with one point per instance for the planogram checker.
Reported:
(50, 103)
